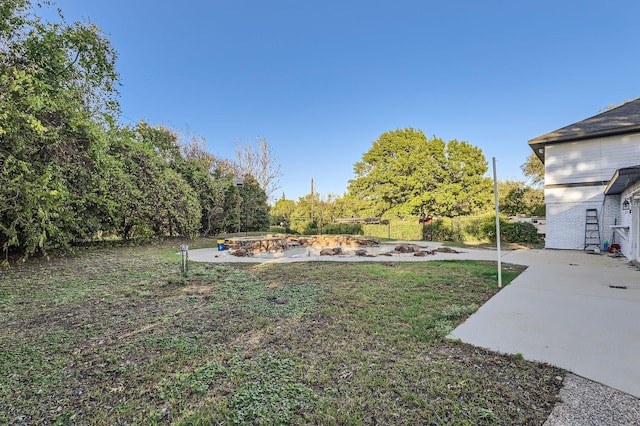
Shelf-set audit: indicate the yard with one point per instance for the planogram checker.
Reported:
(117, 336)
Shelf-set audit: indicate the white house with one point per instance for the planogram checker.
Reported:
(592, 181)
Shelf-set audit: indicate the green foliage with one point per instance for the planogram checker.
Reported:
(533, 168)
(253, 206)
(58, 91)
(343, 229)
(70, 173)
(282, 212)
(512, 232)
(270, 393)
(405, 173)
(212, 180)
(487, 229)
(311, 228)
(470, 229)
(517, 198)
(437, 231)
(279, 230)
(144, 195)
(520, 232)
(397, 229)
(312, 213)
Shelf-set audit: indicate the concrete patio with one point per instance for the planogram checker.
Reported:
(572, 309)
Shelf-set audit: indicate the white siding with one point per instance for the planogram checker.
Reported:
(590, 160)
(625, 238)
(611, 216)
(566, 219)
(585, 162)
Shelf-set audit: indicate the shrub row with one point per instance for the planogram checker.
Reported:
(464, 229)
(469, 229)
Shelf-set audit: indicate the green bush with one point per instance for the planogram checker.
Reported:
(471, 228)
(438, 230)
(280, 230)
(487, 228)
(512, 232)
(310, 228)
(334, 229)
(398, 229)
(343, 229)
(520, 232)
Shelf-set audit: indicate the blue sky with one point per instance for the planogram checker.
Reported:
(322, 80)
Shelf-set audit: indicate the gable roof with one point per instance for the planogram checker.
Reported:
(617, 121)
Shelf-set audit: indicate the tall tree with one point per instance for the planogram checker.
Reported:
(519, 198)
(149, 196)
(246, 207)
(254, 208)
(57, 93)
(404, 173)
(211, 178)
(533, 169)
(282, 211)
(259, 162)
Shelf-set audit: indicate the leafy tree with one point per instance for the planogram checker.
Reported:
(134, 184)
(246, 207)
(253, 206)
(57, 85)
(326, 210)
(210, 188)
(164, 202)
(211, 178)
(303, 215)
(518, 198)
(533, 169)
(347, 206)
(404, 173)
(177, 209)
(282, 211)
(69, 171)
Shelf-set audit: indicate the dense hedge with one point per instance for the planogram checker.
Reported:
(464, 229)
(334, 229)
(70, 173)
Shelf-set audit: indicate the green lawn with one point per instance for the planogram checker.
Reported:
(116, 336)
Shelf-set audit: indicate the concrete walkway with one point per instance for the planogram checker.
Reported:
(306, 254)
(563, 310)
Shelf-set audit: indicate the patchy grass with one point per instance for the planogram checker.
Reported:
(117, 336)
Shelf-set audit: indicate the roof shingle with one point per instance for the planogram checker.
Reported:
(620, 120)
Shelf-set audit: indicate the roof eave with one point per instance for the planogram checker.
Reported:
(630, 174)
(541, 141)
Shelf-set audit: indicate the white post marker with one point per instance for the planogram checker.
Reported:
(184, 264)
(495, 193)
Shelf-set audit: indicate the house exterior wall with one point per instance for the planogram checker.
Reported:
(576, 174)
(566, 215)
(627, 236)
(590, 160)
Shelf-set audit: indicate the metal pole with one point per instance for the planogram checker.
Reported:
(495, 193)
(184, 259)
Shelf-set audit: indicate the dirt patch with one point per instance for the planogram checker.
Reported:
(200, 290)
